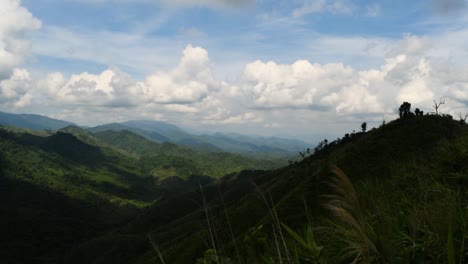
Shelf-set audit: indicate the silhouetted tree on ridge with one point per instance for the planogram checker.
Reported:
(405, 109)
(364, 127)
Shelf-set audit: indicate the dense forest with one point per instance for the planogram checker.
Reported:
(393, 194)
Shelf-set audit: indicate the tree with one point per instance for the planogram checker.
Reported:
(462, 119)
(437, 105)
(418, 112)
(364, 127)
(405, 109)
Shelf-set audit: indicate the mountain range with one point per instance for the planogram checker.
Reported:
(394, 194)
(157, 131)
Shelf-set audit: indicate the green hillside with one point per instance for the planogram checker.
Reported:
(167, 159)
(57, 191)
(400, 197)
(60, 189)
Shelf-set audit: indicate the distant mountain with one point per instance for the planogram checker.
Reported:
(161, 127)
(30, 121)
(157, 131)
(249, 144)
(168, 159)
(218, 142)
(152, 135)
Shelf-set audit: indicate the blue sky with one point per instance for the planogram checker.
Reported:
(290, 68)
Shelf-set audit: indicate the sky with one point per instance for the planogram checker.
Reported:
(298, 68)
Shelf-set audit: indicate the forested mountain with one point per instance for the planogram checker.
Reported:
(30, 121)
(395, 194)
(257, 147)
(217, 142)
(62, 188)
(167, 159)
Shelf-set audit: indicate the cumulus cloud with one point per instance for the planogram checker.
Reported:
(266, 93)
(15, 21)
(409, 73)
(14, 91)
(297, 85)
(111, 88)
(189, 82)
(187, 89)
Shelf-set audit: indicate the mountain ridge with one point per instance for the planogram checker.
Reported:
(260, 147)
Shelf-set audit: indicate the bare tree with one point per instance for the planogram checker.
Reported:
(437, 105)
(462, 119)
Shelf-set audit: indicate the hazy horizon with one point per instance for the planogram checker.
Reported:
(288, 69)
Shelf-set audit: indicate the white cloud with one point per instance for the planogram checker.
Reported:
(189, 82)
(409, 73)
(15, 21)
(111, 88)
(14, 90)
(24, 101)
(298, 85)
(301, 91)
(183, 89)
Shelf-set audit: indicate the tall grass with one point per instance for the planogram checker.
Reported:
(351, 228)
(156, 248)
(277, 230)
(205, 207)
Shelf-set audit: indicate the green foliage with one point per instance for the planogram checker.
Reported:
(308, 251)
(167, 159)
